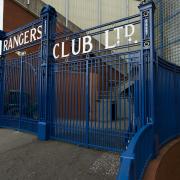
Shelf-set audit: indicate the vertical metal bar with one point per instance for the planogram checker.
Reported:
(119, 92)
(129, 93)
(87, 102)
(102, 96)
(71, 114)
(99, 64)
(152, 63)
(2, 73)
(65, 101)
(91, 92)
(111, 95)
(20, 91)
(74, 98)
(95, 67)
(124, 92)
(136, 103)
(62, 99)
(80, 100)
(115, 88)
(91, 132)
(84, 101)
(77, 114)
(94, 82)
(107, 94)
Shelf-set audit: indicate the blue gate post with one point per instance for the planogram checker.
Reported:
(148, 62)
(147, 58)
(2, 61)
(48, 15)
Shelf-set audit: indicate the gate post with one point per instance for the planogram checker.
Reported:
(148, 66)
(48, 15)
(147, 61)
(2, 61)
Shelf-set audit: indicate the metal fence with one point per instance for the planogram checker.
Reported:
(167, 97)
(98, 99)
(95, 100)
(20, 95)
(139, 152)
(166, 125)
(92, 99)
(165, 86)
(96, 93)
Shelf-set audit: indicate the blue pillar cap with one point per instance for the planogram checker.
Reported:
(2, 35)
(47, 9)
(145, 5)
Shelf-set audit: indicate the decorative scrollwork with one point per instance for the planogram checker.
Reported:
(146, 43)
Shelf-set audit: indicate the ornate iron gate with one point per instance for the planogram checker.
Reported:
(88, 88)
(96, 93)
(94, 100)
(20, 108)
(19, 82)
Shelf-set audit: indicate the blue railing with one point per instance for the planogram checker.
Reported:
(137, 155)
(70, 100)
(166, 123)
(167, 101)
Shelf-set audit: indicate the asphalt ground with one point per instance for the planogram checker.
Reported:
(24, 157)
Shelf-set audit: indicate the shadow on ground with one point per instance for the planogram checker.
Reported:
(23, 157)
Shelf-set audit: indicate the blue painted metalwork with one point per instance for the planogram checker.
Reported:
(2, 37)
(90, 90)
(113, 99)
(20, 107)
(7, 35)
(167, 101)
(147, 56)
(87, 102)
(163, 102)
(141, 148)
(166, 124)
(139, 153)
(83, 102)
(48, 15)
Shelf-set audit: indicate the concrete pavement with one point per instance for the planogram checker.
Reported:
(23, 157)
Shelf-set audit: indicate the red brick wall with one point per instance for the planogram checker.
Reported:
(15, 16)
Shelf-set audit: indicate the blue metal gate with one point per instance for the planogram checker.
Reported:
(96, 99)
(96, 93)
(20, 107)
